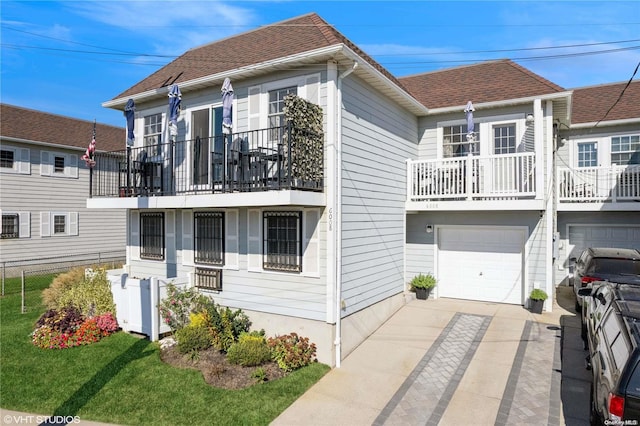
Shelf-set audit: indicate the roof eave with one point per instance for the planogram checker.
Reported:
(620, 122)
(119, 103)
(49, 144)
(505, 102)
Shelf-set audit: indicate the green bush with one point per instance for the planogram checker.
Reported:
(177, 307)
(538, 294)
(292, 351)
(226, 326)
(192, 339)
(249, 351)
(423, 281)
(90, 294)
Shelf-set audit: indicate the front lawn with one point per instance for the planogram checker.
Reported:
(122, 380)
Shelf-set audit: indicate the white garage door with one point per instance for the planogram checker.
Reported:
(583, 236)
(481, 263)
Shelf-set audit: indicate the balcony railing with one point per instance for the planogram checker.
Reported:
(259, 160)
(507, 176)
(599, 184)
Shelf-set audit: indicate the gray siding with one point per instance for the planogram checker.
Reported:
(421, 245)
(377, 138)
(291, 294)
(98, 230)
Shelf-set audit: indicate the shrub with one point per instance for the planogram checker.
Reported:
(66, 320)
(423, 281)
(226, 326)
(197, 319)
(249, 351)
(192, 339)
(179, 304)
(292, 351)
(107, 323)
(91, 295)
(538, 294)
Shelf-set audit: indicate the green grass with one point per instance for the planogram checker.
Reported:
(121, 379)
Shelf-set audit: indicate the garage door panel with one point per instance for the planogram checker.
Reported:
(583, 236)
(481, 264)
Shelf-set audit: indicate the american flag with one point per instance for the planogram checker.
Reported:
(88, 155)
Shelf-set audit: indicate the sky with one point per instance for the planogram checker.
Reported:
(68, 57)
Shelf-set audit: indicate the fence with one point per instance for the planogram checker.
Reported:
(21, 276)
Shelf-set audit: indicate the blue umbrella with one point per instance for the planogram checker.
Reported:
(129, 113)
(175, 97)
(470, 126)
(227, 106)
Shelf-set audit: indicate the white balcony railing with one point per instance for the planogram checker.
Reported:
(599, 184)
(494, 177)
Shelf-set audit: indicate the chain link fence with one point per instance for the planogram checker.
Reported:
(20, 277)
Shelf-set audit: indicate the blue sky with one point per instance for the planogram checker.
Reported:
(67, 57)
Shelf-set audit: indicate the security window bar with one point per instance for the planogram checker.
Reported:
(152, 236)
(58, 164)
(209, 237)
(6, 159)
(282, 242)
(456, 144)
(10, 226)
(59, 224)
(587, 154)
(625, 150)
(153, 133)
(504, 139)
(209, 279)
(276, 111)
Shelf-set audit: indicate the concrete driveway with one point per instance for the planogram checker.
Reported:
(453, 362)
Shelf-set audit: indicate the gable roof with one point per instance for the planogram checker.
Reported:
(590, 104)
(291, 37)
(42, 127)
(484, 82)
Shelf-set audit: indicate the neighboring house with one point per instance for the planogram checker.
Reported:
(598, 172)
(44, 185)
(393, 194)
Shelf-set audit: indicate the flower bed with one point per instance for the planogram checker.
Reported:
(67, 327)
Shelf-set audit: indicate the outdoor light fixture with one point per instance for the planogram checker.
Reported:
(530, 118)
(429, 229)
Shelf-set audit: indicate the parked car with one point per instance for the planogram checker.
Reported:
(618, 265)
(613, 330)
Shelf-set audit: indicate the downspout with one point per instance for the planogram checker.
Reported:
(338, 216)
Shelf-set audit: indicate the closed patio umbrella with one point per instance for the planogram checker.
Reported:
(129, 113)
(227, 106)
(175, 98)
(470, 126)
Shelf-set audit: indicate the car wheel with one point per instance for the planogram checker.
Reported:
(578, 308)
(594, 417)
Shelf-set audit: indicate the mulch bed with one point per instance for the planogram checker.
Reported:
(219, 372)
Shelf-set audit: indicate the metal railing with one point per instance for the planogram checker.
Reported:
(258, 160)
(599, 184)
(505, 176)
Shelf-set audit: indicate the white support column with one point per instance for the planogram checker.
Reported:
(538, 138)
(549, 210)
(330, 182)
(154, 296)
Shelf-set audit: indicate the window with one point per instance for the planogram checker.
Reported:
(10, 226)
(58, 164)
(153, 133)
(210, 279)
(504, 139)
(152, 236)
(625, 150)
(282, 241)
(455, 143)
(59, 224)
(276, 111)
(6, 158)
(587, 154)
(209, 237)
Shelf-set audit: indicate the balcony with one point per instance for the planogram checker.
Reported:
(274, 159)
(599, 188)
(476, 182)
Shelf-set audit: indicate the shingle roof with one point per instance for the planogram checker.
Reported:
(590, 104)
(22, 123)
(484, 82)
(294, 36)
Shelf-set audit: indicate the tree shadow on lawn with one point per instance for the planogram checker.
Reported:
(86, 392)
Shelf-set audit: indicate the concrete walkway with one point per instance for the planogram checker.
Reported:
(453, 362)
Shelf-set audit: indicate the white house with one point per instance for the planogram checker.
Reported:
(394, 191)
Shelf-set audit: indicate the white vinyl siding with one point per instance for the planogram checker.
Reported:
(231, 223)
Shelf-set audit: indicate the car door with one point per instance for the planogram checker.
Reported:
(604, 366)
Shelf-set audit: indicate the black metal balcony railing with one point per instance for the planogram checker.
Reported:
(258, 160)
